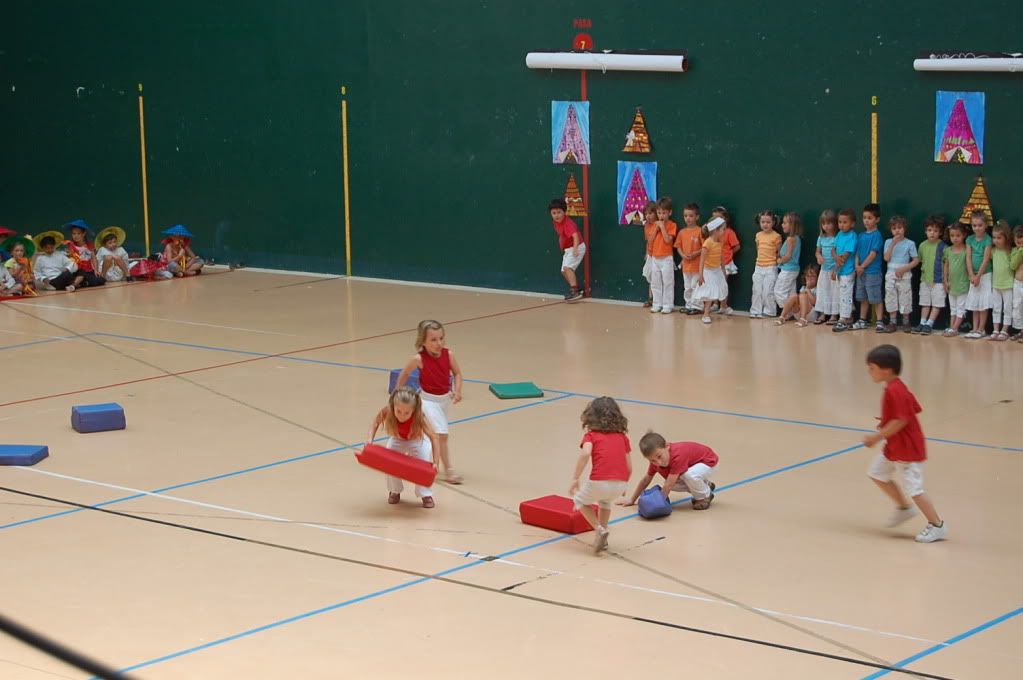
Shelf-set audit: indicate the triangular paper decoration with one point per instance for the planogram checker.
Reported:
(635, 200)
(573, 199)
(638, 139)
(958, 143)
(978, 201)
(572, 148)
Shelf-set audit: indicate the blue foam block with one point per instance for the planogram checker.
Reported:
(413, 380)
(22, 454)
(653, 504)
(97, 418)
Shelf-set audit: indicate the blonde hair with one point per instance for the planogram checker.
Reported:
(795, 223)
(828, 217)
(424, 326)
(408, 396)
(1002, 227)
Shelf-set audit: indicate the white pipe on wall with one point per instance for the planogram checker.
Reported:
(607, 61)
(1006, 64)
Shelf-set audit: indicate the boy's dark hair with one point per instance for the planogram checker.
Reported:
(725, 215)
(874, 209)
(109, 236)
(977, 212)
(557, 204)
(957, 226)
(650, 442)
(848, 212)
(1018, 231)
(650, 206)
(898, 220)
(664, 203)
(695, 207)
(47, 241)
(939, 222)
(766, 213)
(603, 415)
(886, 357)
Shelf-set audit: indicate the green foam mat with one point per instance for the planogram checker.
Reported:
(522, 390)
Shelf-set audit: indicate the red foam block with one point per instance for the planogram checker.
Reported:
(397, 465)
(554, 512)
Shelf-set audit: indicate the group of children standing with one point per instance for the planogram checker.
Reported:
(53, 261)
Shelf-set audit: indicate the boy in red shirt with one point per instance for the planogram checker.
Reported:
(904, 451)
(606, 447)
(570, 243)
(685, 466)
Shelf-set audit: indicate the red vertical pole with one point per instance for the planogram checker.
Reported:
(586, 201)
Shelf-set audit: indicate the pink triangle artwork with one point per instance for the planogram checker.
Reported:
(570, 132)
(637, 185)
(959, 132)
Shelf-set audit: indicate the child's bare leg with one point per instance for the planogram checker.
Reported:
(927, 508)
(805, 306)
(933, 315)
(982, 326)
(879, 313)
(892, 491)
(445, 458)
(591, 517)
(569, 275)
(603, 516)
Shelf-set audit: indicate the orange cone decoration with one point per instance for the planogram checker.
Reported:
(573, 199)
(978, 201)
(638, 139)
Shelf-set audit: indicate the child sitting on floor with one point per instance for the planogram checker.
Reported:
(177, 252)
(112, 258)
(80, 250)
(19, 265)
(805, 301)
(685, 466)
(9, 286)
(54, 270)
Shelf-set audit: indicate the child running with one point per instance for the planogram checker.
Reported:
(436, 366)
(685, 466)
(410, 434)
(605, 446)
(904, 451)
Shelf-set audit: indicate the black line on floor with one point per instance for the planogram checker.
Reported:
(488, 589)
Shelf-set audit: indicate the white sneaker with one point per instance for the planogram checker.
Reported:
(754, 315)
(655, 310)
(706, 319)
(600, 540)
(933, 533)
(728, 311)
(901, 515)
(666, 310)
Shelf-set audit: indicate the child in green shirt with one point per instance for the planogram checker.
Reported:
(956, 277)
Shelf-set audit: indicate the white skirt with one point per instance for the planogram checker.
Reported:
(435, 410)
(979, 297)
(647, 268)
(714, 286)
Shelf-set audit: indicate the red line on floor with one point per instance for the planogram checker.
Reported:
(272, 356)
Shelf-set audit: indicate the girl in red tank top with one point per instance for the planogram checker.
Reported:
(410, 434)
(440, 379)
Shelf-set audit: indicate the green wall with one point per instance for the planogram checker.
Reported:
(450, 133)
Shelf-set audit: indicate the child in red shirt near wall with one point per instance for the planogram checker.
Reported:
(685, 466)
(904, 451)
(606, 447)
(571, 245)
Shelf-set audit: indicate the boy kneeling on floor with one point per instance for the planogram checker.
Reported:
(685, 466)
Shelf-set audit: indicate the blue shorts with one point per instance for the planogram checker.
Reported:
(869, 288)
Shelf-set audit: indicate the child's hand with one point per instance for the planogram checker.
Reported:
(834, 275)
(859, 271)
(575, 487)
(624, 502)
(871, 440)
(975, 281)
(456, 397)
(699, 281)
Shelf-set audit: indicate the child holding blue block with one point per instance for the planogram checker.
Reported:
(685, 466)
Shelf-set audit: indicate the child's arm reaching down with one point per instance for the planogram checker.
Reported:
(640, 488)
(456, 371)
(580, 465)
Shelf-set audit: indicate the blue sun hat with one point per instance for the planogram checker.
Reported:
(78, 224)
(178, 230)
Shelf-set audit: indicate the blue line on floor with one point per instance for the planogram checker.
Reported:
(639, 402)
(256, 468)
(37, 342)
(446, 572)
(948, 643)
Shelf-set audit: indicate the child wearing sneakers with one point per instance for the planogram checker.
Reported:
(765, 273)
(689, 244)
(901, 255)
(932, 282)
(956, 277)
(570, 243)
(1001, 282)
(662, 264)
(605, 446)
(1016, 265)
(827, 283)
(685, 466)
(978, 265)
(869, 277)
(649, 230)
(845, 258)
(904, 451)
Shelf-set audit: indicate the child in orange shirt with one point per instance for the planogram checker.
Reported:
(689, 244)
(662, 264)
(766, 272)
(729, 247)
(649, 229)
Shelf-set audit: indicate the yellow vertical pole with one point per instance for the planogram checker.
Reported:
(873, 151)
(145, 178)
(344, 160)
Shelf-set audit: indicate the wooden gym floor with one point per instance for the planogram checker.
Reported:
(247, 392)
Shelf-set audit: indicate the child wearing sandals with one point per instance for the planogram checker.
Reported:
(1001, 282)
(712, 284)
(436, 366)
(410, 434)
(805, 301)
(605, 446)
(685, 466)
(729, 247)
(827, 284)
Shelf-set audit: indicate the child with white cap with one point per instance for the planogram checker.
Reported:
(712, 286)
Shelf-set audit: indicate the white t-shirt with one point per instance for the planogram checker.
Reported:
(114, 273)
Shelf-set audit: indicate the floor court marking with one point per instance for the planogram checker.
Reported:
(624, 400)
(947, 643)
